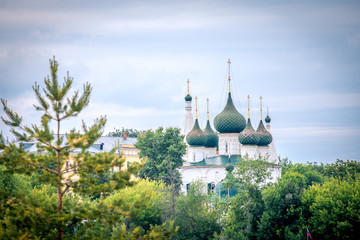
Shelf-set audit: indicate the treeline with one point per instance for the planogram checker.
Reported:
(130, 132)
(321, 198)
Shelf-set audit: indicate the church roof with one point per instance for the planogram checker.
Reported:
(249, 136)
(188, 98)
(229, 120)
(267, 119)
(196, 136)
(265, 136)
(211, 138)
(220, 160)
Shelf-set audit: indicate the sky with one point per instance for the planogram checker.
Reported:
(302, 57)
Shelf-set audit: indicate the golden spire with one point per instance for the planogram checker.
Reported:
(229, 155)
(267, 112)
(207, 106)
(248, 106)
(196, 107)
(229, 74)
(188, 83)
(260, 108)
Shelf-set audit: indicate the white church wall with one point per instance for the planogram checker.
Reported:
(263, 152)
(195, 154)
(204, 174)
(209, 152)
(250, 151)
(229, 143)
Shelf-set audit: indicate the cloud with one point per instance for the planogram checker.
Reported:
(314, 101)
(354, 40)
(309, 132)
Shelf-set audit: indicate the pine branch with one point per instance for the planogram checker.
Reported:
(44, 168)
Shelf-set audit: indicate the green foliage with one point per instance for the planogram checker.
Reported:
(164, 231)
(34, 215)
(130, 132)
(246, 208)
(146, 203)
(344, 170)
(194, 215)
(332, 210)
(309, 171)
(137, 212)
(162, 151)
(281, 217)
(54, 150)
(10, 184)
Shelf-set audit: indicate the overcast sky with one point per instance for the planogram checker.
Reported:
(302, 57)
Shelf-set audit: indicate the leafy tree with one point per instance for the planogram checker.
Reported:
(136, 212)
(343, 169)
(282, 201)
(194, 215)
(332, 210)
(162, 152)
(145, 204)
(54, 149)
(130, 132)
(246, 208)
(281, 217)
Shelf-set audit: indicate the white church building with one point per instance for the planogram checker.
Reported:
(209, 152)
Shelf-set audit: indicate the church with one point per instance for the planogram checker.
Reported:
(209, 152)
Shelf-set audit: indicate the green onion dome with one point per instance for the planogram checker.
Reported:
(249, 136)
(196, 136)
(188, 98)
(265, 136)
(229, 120)
(211, 138)
(267, 119)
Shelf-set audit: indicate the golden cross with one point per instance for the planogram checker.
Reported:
(188, 83)
(207, 103)
(229, 73)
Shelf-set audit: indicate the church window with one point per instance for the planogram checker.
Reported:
(193, 157)
(226, 147)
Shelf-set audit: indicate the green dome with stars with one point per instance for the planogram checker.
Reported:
(229, 120)
(211, 138)
(265, 136)
(195, 137)
(249, 136)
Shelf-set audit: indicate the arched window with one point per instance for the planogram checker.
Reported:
(193, 157)
(226, 147)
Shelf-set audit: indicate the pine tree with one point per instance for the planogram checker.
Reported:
(54, 149)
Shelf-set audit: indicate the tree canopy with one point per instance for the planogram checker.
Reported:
(54, 149)
(162, 151)
(130, 132)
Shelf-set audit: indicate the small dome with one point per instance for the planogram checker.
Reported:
(196, 136)
(265, 136)
(229, 120)
(188, 98)
(267, 119)
(211, 138)
(249, 136)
